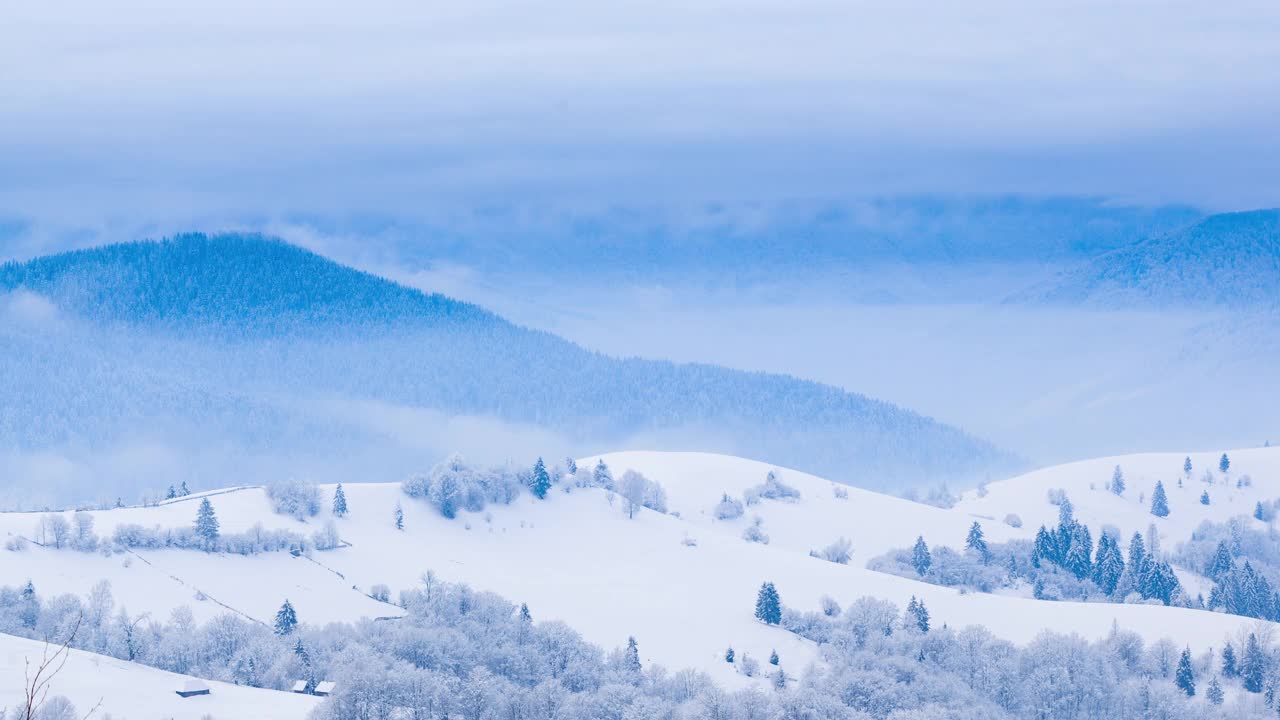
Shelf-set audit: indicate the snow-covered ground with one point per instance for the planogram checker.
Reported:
(683, 585)
(128, 690)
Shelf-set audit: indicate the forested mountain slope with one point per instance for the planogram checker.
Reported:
(254, 346)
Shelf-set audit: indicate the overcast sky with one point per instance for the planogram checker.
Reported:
(232, 108)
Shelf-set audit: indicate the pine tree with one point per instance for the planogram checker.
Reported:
(1117, 481)
(1043, 549)
(525, 617)
(1078, 559)
(540, 483)
(1159, 503)
(768, 604)
(571, 465)
(977, 543)
(631, 658)
(1221, 564)
(339, 502)
(183, 491)
(171, 494)
(773, 658)
(1185, 677)
(399, 516)
(918, 614)
(728, 655)
(1204, 498)
(207, 524)
(1229, 666)
(286, 619)
(1258, 512)
(1214, 693)
(1108, 566)
(29, 611)
(1224, 464)
(1253, 666)
(921, 560)
(601, 477)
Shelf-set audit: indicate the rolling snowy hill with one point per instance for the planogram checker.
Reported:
(1231, 259)
(128, 690)
(682, 583)
(124, 361)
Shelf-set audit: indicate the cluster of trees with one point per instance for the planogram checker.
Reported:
(468, 654)
(453, 485)
(291, 496)
(1061, 563)
(1243, 563)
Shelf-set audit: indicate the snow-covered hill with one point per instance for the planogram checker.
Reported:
(683, 585)
(128, 690)
(1253, 476)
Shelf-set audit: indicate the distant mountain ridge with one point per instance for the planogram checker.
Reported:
(238, 339)
(1231, 259)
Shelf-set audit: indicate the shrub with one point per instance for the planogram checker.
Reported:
(298, 498)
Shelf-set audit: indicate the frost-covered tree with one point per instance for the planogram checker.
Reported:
(977, 542)
(1159, 502)
(1230, 668)
(1108, 565)
(728, 655)
(917, 614)
(295, 497)
(1079, 552)
(184, 491)
(399, 516)
(1214, 693)
(1258, 512)
(173, 493)
(728, 508)
(838, 552)
(1117, 481)
(1204, 498)
(920, 557)
(773, 657)
(571, 465)
(632, 489)
(286, 619)
(207, 523)
(768, 604)
(631, 656)
(1253, 667)
(601, 476)
(1185, 677)
(540, 482)
(1224, 464)
(339, 501)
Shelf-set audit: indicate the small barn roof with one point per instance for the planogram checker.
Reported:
(325, 686)
(300, 686)
(194, 685)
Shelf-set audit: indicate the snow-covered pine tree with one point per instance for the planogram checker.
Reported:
(1230, 668)
(1204, 498)
(1253, 665)
(921, 560)
(728, 655)
(207, 524)
(1224, 464)
(286, 619)
(1079, 553)
(399, 516)
(773, 658)
(184, 491)
(571, 465)
(1108, 565)
(339, 502)
(977, 542)
(1214, 693)
(1221, 564)
(601, 477)
(525, 617)
(1044, 548)
(917, 614)
(1185, 677)
(631, 658)
(768, 604)
(1186, 466)
(1159, 502)
(1258, 512)
(1117, 481)
(171, 494)
(540, 482)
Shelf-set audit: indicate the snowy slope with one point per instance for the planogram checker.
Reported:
(137, 692)
(683, 586)
(1085, 483)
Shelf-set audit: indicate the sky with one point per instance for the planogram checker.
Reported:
(200, 114)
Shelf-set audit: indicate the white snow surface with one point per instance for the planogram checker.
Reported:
(684, 586)
(136, 692)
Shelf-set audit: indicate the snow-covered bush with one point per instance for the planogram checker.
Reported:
(772, 489)
(1013, 520)
(837, 552)
(1057, 496)
(639, 491)
(452, 486)
(327, 538)
(297, 498)
(840, 492)
(380, 592)
(755, 531)
(256, 540)
(17, 543)
(728, 508)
